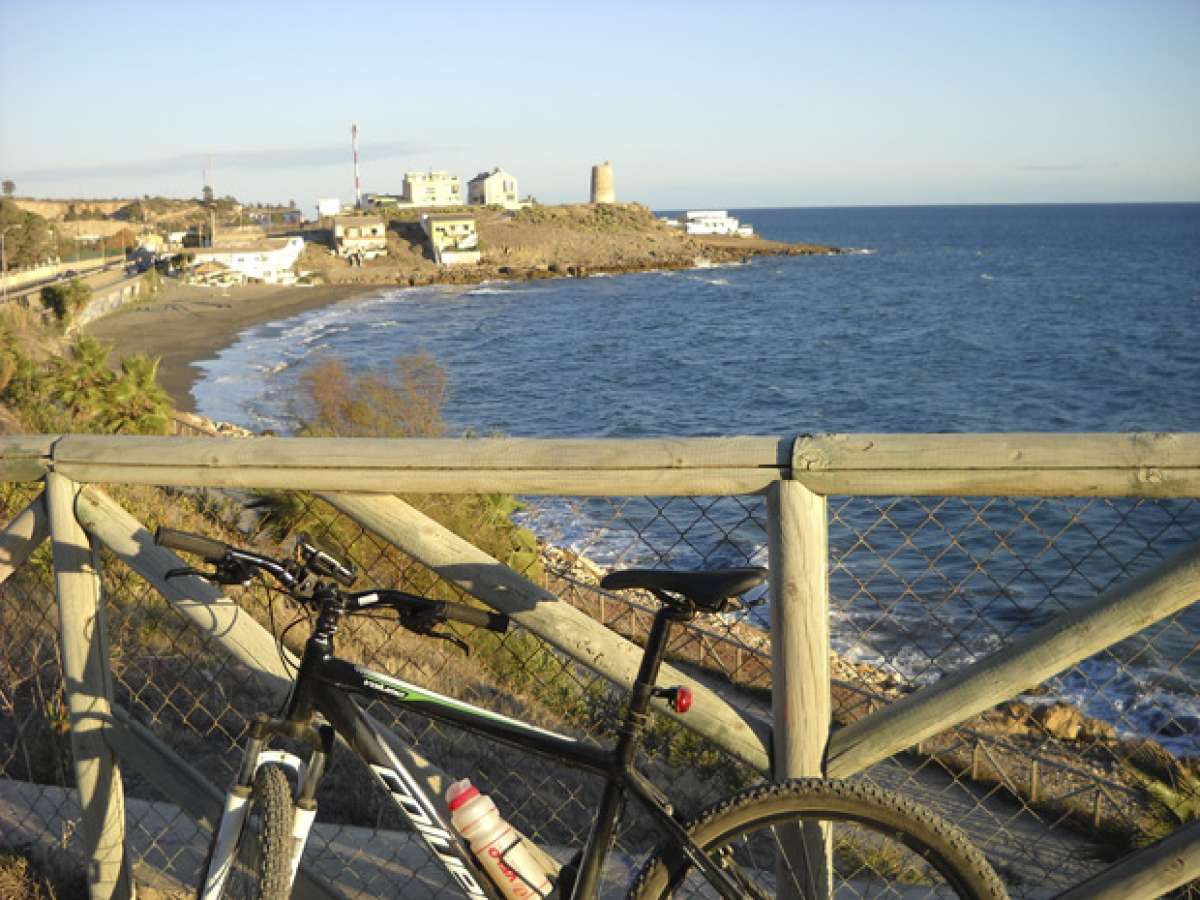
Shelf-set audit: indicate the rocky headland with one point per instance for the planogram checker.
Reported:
(547, 242)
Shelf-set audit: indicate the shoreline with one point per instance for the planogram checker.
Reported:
(184, 324)
(187, 324)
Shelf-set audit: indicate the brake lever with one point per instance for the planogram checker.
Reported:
(184, 571)
(424, 622)
(224, 572)
(451, 638)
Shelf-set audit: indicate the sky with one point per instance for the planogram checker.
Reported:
(697, 104)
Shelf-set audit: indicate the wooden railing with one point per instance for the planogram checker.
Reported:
(360, 476)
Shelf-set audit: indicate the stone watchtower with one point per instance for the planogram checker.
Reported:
(602, 184)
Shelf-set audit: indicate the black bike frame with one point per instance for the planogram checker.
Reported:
(328, 684)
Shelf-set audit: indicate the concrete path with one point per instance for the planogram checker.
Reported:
(354, 862)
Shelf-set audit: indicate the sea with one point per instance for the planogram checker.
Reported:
(939, 319)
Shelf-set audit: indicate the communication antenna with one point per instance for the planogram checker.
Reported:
(357, 188)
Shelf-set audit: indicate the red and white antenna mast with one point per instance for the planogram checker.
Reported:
(357, 188)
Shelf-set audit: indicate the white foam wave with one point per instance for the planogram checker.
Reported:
(485, 290)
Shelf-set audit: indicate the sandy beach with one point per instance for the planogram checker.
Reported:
(185, 324)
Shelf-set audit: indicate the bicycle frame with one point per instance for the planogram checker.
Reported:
(328, 685)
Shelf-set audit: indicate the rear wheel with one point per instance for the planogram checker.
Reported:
(816, 839)
(261, 867)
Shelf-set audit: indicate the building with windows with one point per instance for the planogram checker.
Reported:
(496, 187)
(359, 237)
(270, 260)
(452, 237)
(431, 189)
(714, 221)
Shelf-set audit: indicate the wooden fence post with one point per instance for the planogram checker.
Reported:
(87, 683)
(23, 535)
(1151, 872)
(798, 542)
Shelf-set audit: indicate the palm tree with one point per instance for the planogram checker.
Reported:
(137, 404)
(79, 385)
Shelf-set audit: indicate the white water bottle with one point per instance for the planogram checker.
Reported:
(496, 844)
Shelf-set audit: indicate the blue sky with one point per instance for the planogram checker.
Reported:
(696, 104)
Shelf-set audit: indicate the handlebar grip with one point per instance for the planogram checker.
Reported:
(212, 551)
(469, 615)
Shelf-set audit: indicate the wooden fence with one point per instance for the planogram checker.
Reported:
(359, 477)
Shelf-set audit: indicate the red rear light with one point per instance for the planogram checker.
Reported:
(682, 701)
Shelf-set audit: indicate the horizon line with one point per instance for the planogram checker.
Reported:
(852, 205)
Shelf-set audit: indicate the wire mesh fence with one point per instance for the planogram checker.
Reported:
(1051, 785)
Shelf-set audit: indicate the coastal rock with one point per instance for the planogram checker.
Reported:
(1097, 731)
(1060, 720)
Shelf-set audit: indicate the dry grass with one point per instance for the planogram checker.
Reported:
(26, 876)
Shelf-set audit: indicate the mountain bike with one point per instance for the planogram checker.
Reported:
(805, 838)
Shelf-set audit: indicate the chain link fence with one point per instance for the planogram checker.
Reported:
(1052, 785)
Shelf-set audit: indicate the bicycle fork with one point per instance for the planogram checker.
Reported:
(236, 808)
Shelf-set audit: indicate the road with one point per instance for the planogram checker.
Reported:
(112, 273)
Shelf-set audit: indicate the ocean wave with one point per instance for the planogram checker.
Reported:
(486, 289)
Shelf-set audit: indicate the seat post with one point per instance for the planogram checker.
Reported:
(656, 648)
(632, 727)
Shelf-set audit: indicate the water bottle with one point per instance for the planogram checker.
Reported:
(496, 844)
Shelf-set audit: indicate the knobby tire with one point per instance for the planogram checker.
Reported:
(902, 848)
(262, 857)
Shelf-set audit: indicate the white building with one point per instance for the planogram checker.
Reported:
(453, 238)
(362, 237)
(432, 189)
(269, 260)
(714, 221)
(328, 206)
(496, 187)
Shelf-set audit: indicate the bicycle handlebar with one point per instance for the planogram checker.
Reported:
(415, 611)
(414, 606)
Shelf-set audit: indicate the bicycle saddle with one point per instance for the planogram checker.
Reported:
(708, 590)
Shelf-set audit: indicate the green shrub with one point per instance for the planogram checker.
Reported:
(80, 392)
(66, 300)
(1173, 803)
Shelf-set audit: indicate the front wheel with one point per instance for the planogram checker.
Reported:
(815, 838)
(260, 868)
